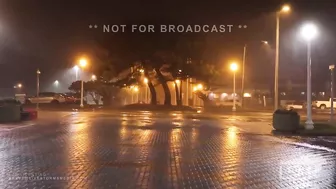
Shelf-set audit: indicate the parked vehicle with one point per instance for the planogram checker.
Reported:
(296, 105)
(227, 103)
(46, 97)
(324, 104)
(71, 98)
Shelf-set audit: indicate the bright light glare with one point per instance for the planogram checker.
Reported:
(234, 66)
(247, 95)
(83, 63)
(177, 81)
(265, 42)
(200, 87)
(285, 8)
(94, 77)
(19, 85)
(76, 68)
(309, 31)
(56, 82)
(145, 80)
(136, 89)
(195, 89)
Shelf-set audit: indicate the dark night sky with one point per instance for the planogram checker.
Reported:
(50, 35)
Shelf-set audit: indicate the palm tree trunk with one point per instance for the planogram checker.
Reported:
(177, 94)
(151, 89)
(165, 87)
(153, 93)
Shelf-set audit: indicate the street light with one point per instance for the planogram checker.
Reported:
(19, 85)
(93, 77)
(37, 87)
(234, 68)
(82, 64)
(243, 71)
(331, 68)
(284, 9)
(309, 31)
(200, 87)
(76, 68)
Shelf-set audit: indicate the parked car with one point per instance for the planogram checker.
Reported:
(227, 103)
(295, 105)
(46, 97)
(71, 98)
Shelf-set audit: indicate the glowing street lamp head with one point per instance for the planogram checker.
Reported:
(94, 77)
(19, 85)
(285, 8)
(56, 82)
(265, 42)
(199, 87)
(83, 63)
(309, 31)
(234, 67)
(136, 89)
(38, 72)
(76, 68)
(177, 81)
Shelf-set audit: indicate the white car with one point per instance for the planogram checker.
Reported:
(46, 97)
(227, 103)
(295, 105)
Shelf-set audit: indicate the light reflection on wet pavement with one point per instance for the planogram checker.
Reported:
(157, 150)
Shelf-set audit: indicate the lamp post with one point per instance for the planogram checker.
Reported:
(56, 83)
(234, 68)
(243, 75)
(284, 9)
(82, 64)
(309, 32)
(243, 72)
(37, 87)
(331, 68)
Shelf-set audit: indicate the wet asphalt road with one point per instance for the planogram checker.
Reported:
(157, 150)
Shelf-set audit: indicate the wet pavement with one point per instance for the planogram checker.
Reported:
(157, 150)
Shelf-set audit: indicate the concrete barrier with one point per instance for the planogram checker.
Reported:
(286, 120)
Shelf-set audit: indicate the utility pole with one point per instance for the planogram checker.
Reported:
(243, 77)
(276, 73)
(331, 68)
(37, 87)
